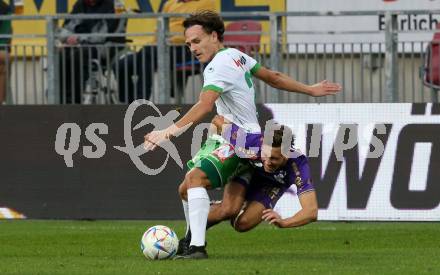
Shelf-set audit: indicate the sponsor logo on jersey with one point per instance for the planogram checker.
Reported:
(224, 152)
(298, 182)
(240, 62)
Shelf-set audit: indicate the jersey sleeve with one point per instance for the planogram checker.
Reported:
(252, 65)
(303, 180)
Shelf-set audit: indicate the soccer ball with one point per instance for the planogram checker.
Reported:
(159, 242)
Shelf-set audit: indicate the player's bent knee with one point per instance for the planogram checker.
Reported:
(192, 180)
(195, 178)
(242, 225)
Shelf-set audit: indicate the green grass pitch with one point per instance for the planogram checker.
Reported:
(112, 247)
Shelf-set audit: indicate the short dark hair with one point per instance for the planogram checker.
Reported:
(278, 134)
(209, 20)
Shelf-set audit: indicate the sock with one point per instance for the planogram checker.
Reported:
(198, 206)
(185, 211)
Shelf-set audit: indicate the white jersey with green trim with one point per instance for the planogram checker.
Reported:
(230, 74)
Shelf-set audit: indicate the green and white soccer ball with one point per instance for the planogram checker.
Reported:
(159, 242)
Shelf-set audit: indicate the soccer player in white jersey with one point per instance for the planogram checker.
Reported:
(227, 85)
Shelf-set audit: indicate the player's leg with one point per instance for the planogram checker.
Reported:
(196, 184)
(183, 191)
(259, 196)
(215, 170)
(195, 166)
(230, 206)
(249, 217)
(184, 242)
(212, 166)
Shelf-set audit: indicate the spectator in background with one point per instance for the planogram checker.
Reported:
(144, 63)
(5, 29)
(79, 49)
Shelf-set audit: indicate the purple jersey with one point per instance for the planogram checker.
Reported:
(267, 188)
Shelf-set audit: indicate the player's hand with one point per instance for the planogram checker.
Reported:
(272, 217)
(325, 88)
(156, 138)
(218, 122)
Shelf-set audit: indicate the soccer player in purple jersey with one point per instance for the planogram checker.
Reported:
(249, 198)
(272, 176)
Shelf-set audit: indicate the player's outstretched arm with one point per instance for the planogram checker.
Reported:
(197, 112)
(308, 213)
(284, 82)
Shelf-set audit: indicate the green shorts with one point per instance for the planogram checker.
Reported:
(218, 160)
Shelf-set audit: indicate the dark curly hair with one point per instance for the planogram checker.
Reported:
(210, 22)
(278, 134)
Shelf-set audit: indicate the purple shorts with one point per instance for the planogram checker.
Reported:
(247, 145)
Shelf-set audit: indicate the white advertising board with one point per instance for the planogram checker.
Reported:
(400, 183)
(359, 29)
